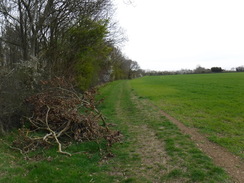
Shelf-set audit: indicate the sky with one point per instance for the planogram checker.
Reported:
(183, 34)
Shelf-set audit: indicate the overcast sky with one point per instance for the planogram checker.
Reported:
(181, 34)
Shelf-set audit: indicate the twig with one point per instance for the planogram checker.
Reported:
(99, 114)
(46, 136)
(69, 92)
(60, 146)
(65, 129)
(54, 134)
(14, 148)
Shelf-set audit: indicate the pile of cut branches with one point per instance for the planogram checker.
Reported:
(59, 113)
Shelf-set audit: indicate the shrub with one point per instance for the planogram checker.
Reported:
(240, 69)
(15, 86)
(216, 69)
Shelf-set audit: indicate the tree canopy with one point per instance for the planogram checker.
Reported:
(67, 37)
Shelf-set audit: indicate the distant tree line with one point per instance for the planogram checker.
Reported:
(198, 70)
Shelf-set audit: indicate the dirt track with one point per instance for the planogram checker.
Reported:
(221, 157)
(155, 162)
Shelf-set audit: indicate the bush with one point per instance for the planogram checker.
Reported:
(216, 69)
(201, 70)
(240, 69)
(15, 86)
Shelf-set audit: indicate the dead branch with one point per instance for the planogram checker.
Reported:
(59, 112)
(54, 134)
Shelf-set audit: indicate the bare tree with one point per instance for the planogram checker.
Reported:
(41, 24)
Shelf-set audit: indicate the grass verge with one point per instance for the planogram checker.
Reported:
(50, 166)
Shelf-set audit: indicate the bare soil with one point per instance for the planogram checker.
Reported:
(154, 160)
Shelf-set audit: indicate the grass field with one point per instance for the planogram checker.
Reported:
(137, 119)
(152, 150)
(214, 103)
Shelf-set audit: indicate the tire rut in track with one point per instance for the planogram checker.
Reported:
(154, 160)
(221, 157)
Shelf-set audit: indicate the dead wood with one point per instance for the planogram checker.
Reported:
(60, 113)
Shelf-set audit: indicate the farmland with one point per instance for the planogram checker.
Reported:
(152, 148)
(212, 103)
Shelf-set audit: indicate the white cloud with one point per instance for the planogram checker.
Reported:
(175, 34)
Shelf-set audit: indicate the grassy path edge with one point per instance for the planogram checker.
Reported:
(184, 161)
(221, 157)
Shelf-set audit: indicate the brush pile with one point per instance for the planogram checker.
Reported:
(59, 113)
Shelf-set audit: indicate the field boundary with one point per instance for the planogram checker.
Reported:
(221, 157)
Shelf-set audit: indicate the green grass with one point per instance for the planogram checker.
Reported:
(185, 163)
(214, 103)
(50, 166)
